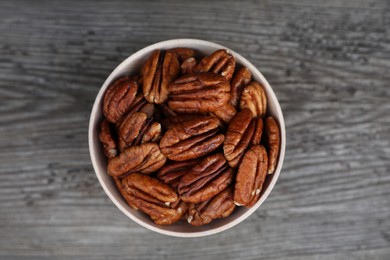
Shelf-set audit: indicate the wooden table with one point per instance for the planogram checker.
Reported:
(327, 61)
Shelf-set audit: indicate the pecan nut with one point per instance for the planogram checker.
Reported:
(206, 179)
(152, 197)
(221, 206)
(201, 93)
(132, 129)
(192, 139)
(107, 139)
(243, 130)
(273, 142)
(220, 62)
(253, 97)
(251, 176)
(172, 172)
(158, 72)
(145, 158)
(119, 98)
(241, 78)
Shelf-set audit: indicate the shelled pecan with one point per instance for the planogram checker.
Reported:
(243, 130)
(240, 79)
(206, 179)
(199, 93)
(192, 139)
(220, 62)
(250, 176)
(145, 158)
(119, 98)
(158, 72)
(153, 198)
(220, 206)
(253, 97)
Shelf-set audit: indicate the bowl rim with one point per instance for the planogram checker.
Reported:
(163, 45)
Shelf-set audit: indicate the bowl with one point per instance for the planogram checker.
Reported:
(180, 229)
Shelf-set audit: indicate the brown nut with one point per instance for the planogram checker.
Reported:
(145, 158)
(131, 128)
(241, 78)
(119, 98)
(152, 197)
(187, 66)
(238, 136)
(273, 143)
(158, 72)
(149, 186)
(253, 97)
(191, 139)
(206, 179)
(221, 206)
(256, 138)
(251, 176)
(220, 62)
(107, 139)
(172, 172)
(201, 93)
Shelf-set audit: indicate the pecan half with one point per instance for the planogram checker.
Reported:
(251, 176)
(145, 158)
(153, 198)
(119, 98)
(158, 72)
(187, 66)
(221, 206)
(238, 136)
(172, 172)
(200, 93)
(253, 97)
(131, 128)
(206, 179)
(107, 139)
(220, 62)
(241, 78)
(191, 139)
(273, 142)
(256, 138)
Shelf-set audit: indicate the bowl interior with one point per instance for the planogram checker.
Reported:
(182, 229)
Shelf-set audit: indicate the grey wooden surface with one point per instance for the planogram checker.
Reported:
(328, 62)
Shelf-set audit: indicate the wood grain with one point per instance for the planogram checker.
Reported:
(327, 61)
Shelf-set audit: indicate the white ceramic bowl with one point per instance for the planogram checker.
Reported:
(180, 229)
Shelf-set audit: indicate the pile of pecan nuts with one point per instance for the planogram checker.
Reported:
(189, 136)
